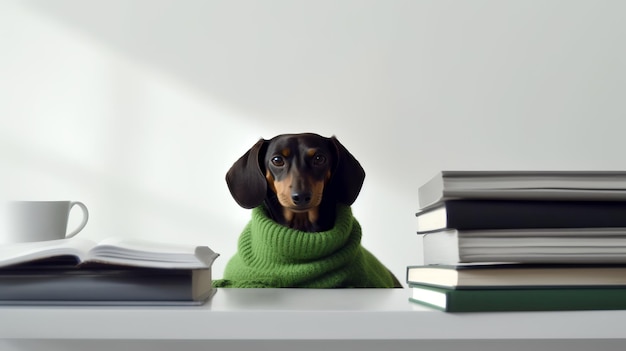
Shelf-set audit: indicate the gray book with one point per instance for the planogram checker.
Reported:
(111, 271)
(59, 281)
(523, 185)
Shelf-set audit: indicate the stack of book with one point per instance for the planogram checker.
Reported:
(522, 241)
(78, 271)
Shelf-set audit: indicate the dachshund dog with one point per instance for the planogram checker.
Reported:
(299, 178)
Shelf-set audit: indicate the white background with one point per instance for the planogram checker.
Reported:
(138, 108)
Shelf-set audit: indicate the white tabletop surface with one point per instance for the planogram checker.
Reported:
(301, 314)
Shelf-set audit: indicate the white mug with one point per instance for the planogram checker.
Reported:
(40, 220)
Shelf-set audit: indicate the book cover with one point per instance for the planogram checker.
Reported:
(58, 281)
(531, 299)
(511, 214)
(523, 185)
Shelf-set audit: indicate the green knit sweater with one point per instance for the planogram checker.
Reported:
(274, 256)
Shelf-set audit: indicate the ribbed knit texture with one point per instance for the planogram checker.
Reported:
(274, 256)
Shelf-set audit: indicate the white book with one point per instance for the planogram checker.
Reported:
(576, 245)
(118, 251)
(494, 276)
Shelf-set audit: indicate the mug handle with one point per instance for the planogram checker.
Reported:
(85, 218)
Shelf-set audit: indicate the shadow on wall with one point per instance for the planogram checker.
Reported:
(273, 59)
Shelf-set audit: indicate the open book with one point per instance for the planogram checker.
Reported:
(117, 251)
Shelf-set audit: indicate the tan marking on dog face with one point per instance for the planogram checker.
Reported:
(289, 215)
(314, 215)
(282, 189)
(286, 152)
(270, 180)
(311, 152)
(317, 191)
(300, 219)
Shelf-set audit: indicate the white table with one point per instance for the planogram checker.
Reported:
(303, 319)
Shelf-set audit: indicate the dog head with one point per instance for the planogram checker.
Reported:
(301, 171)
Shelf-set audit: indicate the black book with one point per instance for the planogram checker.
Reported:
(510, 214)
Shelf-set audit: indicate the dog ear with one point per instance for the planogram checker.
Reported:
(347, 178)
(245, 178)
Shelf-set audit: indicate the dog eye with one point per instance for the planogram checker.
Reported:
(319, 160)
(278, 161)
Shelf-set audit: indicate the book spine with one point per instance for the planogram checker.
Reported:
(499, 300)
(96, 287)
(535, 214)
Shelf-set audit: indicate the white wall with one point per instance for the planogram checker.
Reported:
(138, 108)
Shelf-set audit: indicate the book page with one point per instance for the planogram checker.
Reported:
(11, 254)
(143, 253)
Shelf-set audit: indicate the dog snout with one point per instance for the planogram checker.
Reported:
(301, 198)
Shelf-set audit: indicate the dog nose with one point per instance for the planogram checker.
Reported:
(301, 198)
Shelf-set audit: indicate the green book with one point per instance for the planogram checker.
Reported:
(519, 299)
